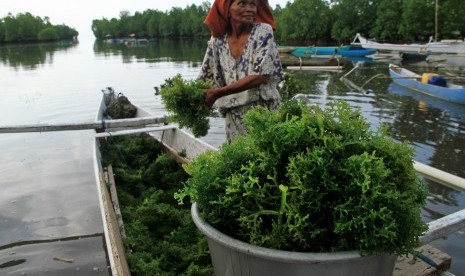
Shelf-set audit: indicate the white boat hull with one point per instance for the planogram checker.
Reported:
(177, 142)
(442, 47)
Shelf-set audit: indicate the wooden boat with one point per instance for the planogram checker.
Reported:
(345, 51)
(177, 140)
(315, 68)
(286, 49)
(293, 63)
(173, 138)
(410, 56)
(452, 92)
(441, 47)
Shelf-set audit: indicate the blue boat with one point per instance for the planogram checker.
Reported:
(426, 101)
(446, 91)
(345, 51)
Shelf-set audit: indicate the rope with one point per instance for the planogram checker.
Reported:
(372, 78)
(425, 259)
(110, 138)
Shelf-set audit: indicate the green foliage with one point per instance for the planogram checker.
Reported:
(177, 22)
(311, 180)
(386, 23)
(47, 34)
(417, 22)
(186, 101)
(306, 21)
(451, 19)
(24, 27)
(160, 236)
(351, 17)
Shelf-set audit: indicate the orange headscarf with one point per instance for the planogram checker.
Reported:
(217, 17)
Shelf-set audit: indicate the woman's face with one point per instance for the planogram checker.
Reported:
(243, 11)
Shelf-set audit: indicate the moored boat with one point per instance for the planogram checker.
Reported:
(345, 51)
(448, 91)
(433, 47)
(177, 142)
(286, 49)
(410, 56)
(293, 63)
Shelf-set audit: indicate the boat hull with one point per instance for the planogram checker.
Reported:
(451, 47)
(177, 142)
(406, 78)
(344, 51)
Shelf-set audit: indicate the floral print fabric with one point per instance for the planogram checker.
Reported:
(259, 57)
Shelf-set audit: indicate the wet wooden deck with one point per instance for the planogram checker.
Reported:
(415, 266)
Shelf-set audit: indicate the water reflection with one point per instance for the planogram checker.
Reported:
(435, 129)
(31, 56)
(428, 102)
(154, 50)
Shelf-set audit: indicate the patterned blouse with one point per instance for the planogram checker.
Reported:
(259, 57)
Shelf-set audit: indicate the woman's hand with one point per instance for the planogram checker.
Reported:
(210, 97)
(248, 82)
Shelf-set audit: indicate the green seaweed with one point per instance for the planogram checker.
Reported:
(161, 238)
(309, 179)
(185, 101)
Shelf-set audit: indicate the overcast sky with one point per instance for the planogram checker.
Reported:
(79, 14)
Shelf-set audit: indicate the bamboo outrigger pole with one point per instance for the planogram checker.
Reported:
(97, 125)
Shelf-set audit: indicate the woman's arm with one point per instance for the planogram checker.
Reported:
(248, 82)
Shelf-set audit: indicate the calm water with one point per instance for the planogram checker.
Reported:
(49, 216)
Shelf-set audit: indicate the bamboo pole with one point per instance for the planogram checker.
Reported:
(439, 176)
(320, 68)
(444, 226)
(134, 131)
(97, 125)
(436, 21)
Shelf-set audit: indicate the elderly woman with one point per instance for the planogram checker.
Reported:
(241, 60)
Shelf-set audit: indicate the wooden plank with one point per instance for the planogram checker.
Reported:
(134, 131)
(97, 125)
(415, 266)
(121, 267)
(306, 68)
(293, 61)
(115, 200)
(444, 226)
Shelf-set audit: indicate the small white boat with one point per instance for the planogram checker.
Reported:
(432, 47)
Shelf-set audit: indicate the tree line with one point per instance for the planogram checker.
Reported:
(386, 20)
(177, 22)
(308, 21)
(24, 27)
(299, 22)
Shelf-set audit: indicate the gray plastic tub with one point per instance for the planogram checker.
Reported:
(234, 257)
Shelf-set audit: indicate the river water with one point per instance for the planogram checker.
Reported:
(49, 217)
